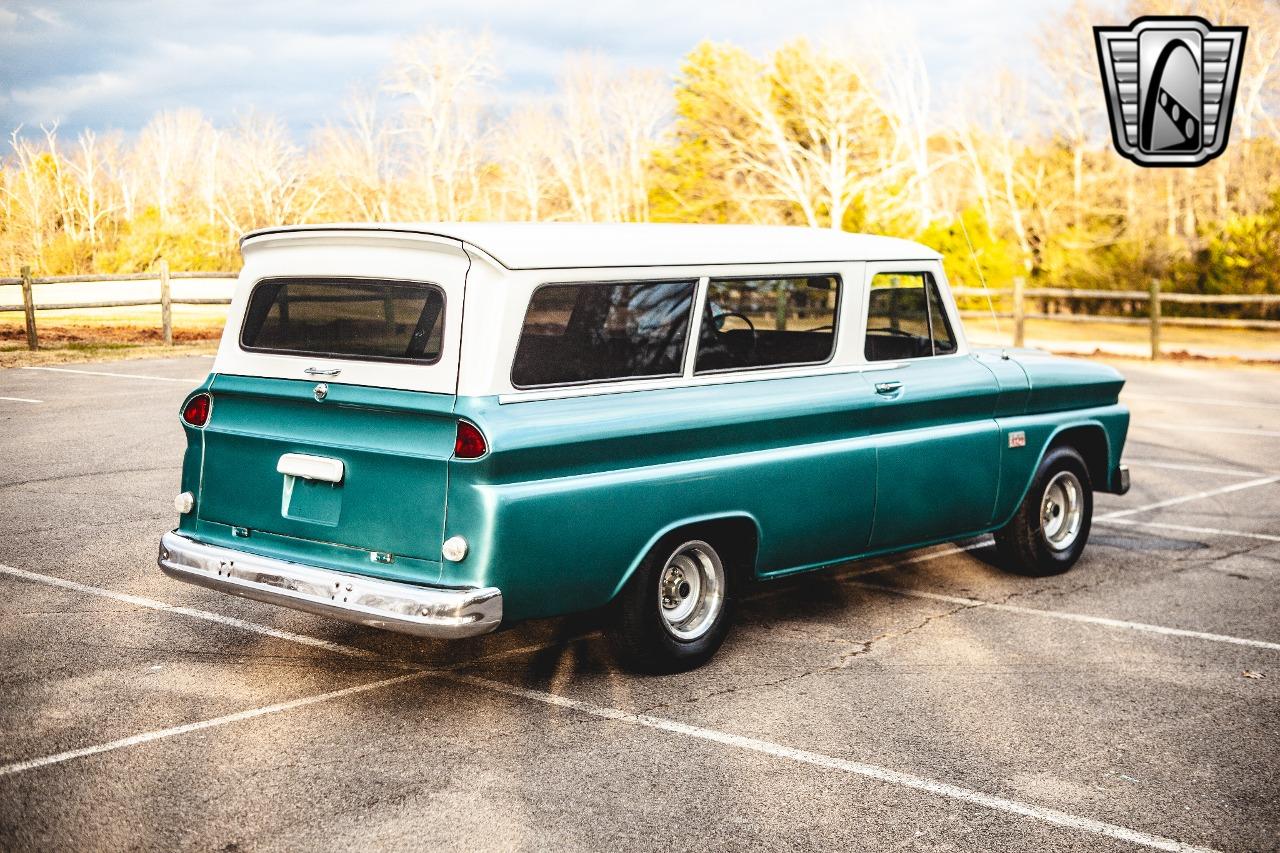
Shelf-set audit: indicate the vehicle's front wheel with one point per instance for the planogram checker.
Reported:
(674, 612)
(1049, 531)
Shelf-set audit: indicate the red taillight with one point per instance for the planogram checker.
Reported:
(196, 412)
(470, 443)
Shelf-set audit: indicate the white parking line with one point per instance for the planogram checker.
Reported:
(1195, 401)
(1218, 531)
(1264, 433)
(21, 400)
(1208, 493)
(827, 762)
(240, 716)
(147, 737)
(1070, 617)
(1203, 469)
(119, 375)
(775, 750)
(152, 604)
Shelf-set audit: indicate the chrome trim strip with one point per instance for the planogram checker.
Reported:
(407, 608)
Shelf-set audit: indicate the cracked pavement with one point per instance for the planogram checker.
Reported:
(1161, 734)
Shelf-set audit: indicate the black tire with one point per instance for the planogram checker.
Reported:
(1026, 544)
(642, 637)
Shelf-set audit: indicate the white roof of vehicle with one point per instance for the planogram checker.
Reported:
(559, 245)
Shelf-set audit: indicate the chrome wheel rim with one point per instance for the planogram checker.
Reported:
(691, 590)
(1062, 511)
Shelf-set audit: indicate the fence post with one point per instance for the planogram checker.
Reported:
(29, 309)
(1153, 308)
(1019, 311)
(166, 304)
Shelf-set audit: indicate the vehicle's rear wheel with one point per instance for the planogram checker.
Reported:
(1049, 531)
(674, 612)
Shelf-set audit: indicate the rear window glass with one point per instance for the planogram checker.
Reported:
(591, 332)
(346, 318)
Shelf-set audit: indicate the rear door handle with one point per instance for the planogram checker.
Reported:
(893, 386)
(311, 467)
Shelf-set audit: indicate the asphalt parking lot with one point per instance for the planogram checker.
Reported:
(923, 702)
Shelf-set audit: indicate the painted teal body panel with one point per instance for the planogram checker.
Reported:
(1041, 429)
(576, 490)
(938, 450)
(311, 552)
(394, 446)
(1011, 378)
(1064, 384)
(192, 462)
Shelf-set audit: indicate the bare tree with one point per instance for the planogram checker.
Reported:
(1073, 101)
(265, 182)
(898, 79)
(440, 76)
(174, 153)
(357, 159)
(95, 199)
(523, 144)
(32, 195)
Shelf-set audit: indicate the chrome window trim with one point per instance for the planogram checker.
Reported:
(700, 310)
(703, 379)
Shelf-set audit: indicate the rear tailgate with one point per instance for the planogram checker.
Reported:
(391, 448)
(331, 424)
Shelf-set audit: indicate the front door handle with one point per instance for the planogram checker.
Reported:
(893, 386)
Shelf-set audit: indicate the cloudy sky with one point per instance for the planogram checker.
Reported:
(114, 63)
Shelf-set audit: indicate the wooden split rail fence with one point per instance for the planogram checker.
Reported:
(166, 301)
(1019, 294)
(1153, 298)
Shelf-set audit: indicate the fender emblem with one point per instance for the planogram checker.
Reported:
(1018, 438)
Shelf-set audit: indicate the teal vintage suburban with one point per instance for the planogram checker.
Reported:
(441, 429)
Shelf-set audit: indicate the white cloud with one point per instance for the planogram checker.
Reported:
(114, 64)
(46, 16)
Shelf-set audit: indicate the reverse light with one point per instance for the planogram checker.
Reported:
(184, 502)
(196, 412)
(470, 443)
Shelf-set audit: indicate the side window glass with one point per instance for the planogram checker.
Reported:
(576, 333)
(763, 322)
(906, 319)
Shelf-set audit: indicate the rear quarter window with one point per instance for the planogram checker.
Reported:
(768, 322)
(593, 332)
(370, 319)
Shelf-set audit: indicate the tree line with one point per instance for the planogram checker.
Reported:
(1006, 174)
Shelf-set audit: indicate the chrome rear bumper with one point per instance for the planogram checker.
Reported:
(407, 608)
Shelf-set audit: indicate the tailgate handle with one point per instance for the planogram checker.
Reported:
(311, 467)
